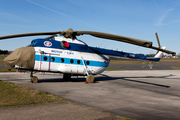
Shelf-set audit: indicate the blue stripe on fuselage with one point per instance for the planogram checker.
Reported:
(67, 61)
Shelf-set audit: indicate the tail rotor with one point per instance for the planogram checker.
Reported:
(158, 42)
(159, 54)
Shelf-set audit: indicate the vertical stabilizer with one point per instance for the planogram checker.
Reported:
(160, 53)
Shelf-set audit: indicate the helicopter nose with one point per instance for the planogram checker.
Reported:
(22, 57)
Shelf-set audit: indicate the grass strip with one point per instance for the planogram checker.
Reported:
(12, 70)
(13, 95)
(143, 61)
(125, 62)
(7, 70)
(170, 60)
(1, 62)
(2, 59)
(176, 67)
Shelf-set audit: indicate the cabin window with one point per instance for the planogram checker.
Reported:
(78, 61)
(62, 60)
(45, 58)
(87, 62)
(71, 60)
(52, 59)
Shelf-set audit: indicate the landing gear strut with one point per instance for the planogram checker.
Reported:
(150, 65)
(90, 78)
(33, 79)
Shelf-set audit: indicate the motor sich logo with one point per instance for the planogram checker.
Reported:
(47, 43)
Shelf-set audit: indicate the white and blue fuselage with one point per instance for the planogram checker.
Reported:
(73, 56)
(77, 58)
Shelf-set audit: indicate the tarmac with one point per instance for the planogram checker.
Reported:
(54, 111)
(138, 94)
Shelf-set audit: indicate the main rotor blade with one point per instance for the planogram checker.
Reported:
(117, 38)
(28, 34)
(134, 41)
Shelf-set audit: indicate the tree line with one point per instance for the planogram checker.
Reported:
(4, 52)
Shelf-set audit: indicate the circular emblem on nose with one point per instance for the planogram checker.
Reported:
(47, 43)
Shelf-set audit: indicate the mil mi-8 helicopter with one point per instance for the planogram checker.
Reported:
(70, 56)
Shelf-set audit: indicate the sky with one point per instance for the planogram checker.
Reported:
(139, 19)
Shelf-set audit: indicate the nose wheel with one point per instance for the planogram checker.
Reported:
(34, 79)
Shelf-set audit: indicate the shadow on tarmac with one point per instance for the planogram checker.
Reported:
(107, 78)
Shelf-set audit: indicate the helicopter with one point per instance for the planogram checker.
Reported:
(72, 57)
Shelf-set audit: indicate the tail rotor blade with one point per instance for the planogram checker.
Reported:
(158, 40)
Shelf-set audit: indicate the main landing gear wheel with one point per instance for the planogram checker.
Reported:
(90, 78)
(34, 79)
(67, 77)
